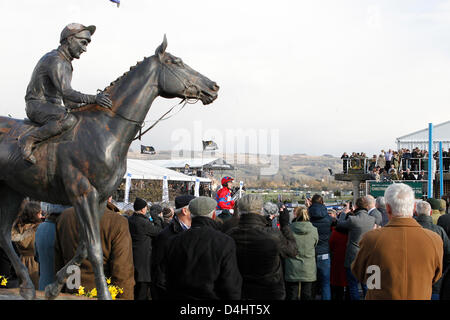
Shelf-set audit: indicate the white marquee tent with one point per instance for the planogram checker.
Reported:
(210, 163)
(441, 132)
(144, 169)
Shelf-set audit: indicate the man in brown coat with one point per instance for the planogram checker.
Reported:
(402, 260)
(116, 245)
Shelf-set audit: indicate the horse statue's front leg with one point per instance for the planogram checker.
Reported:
(89, 211)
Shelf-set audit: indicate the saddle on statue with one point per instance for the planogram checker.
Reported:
(15, 131)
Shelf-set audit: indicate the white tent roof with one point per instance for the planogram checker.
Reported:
(441, 132)
(192, 162)
(143, 169)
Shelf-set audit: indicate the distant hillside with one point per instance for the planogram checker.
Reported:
(297, 171)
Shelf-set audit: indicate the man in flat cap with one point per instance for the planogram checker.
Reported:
(49, 94)
(201, 262)
(142, 231)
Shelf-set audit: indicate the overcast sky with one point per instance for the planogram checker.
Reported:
(331, 76)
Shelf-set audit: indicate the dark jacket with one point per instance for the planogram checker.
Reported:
(160, 244)
(116, 247)
(319, 217)
(377, 215)
(201, 264)
(444, 222)
(384, 216)
(142, 231)
(356, 224)
(260, 249)
(427, 223)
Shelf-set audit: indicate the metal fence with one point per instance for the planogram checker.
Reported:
(415, 165)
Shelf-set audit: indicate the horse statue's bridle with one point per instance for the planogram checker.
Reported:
(187, 85)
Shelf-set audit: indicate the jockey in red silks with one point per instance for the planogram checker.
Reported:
(223, 197)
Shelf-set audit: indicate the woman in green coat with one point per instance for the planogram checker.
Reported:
(300, 272)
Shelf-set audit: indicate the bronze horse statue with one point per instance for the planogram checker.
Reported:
(84, 166)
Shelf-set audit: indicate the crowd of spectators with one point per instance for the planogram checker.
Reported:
(390, 161)
(261, 252)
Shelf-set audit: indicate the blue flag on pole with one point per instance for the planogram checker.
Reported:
(116, 2)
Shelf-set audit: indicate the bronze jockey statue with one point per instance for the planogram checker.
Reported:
(50, 97)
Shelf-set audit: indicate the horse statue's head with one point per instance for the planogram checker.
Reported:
(178, 80)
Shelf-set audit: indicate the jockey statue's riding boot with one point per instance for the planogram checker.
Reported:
(50, 129)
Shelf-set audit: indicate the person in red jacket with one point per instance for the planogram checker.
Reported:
(223, 197)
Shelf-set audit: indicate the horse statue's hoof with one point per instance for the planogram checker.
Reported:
(52, 291)
(28, 293)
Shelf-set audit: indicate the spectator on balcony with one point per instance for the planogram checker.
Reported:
(406, 160)
(374, 174)
(372, 162)
(388, 157)
(414, 159)
(396, 160)
(393, 174)
(408, 175)
(422, 175)
(381, 160)
(384, 176)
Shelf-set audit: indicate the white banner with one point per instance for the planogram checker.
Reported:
(127, 188)
(197, 187)
(165, 191)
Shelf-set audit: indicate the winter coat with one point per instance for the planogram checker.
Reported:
(260, 249)
(444, 222)
(160, 244)
(319, 217)
(201, 264)
(116, 245)
(384, 216)
(377, 215)
(303, 267)
(435, 215)
(338, 246)
(356, 224)
(142, 232)
(427, 222)
(408, 257)
(23, 236)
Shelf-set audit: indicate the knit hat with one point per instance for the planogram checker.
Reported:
(202, 206)
(139, 204)
(250, 203)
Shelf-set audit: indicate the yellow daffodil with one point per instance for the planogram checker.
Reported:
(108, 280)
(3, 281)
(81, 291)
(93, 292)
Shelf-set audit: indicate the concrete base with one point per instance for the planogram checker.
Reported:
(13, 294)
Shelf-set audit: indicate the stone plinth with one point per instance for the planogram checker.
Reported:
(13, 294)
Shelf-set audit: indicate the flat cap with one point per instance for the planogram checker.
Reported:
(435, 203)
(270, 208)
(202, 206)
(250, 203)
(183, 201)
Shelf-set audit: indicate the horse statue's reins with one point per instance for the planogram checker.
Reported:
(185, 100)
